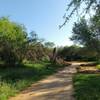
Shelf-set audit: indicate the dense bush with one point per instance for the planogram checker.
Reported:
(16, 45)
(77, 53)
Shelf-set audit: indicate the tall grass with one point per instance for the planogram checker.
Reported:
(87, 86)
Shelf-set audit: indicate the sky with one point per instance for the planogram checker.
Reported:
(41, 16)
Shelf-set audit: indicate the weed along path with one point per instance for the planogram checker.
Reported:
(56, 87)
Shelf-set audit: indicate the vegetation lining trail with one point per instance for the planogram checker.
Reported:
(55, 87)
(87, 86)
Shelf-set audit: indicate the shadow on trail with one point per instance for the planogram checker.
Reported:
(26, 74)
(55, 87)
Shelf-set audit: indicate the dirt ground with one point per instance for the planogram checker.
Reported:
(56, 87)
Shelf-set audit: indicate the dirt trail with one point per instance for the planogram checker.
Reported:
(56, 87)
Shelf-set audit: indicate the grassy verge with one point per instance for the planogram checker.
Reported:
(15, 79)
(87, 86)
(98, 66)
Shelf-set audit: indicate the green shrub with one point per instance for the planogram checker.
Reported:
(6, 90)
(98, 66)
(15, 79)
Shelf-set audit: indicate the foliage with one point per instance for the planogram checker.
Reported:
(15, 79)
(49, 44)
(76, 53)
(17, 45)
(35, 52)
(81, 33)
(12, 39)
(98, 66)
(87, 35)
(87, 86)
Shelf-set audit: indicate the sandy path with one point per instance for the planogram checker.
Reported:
(56, 87)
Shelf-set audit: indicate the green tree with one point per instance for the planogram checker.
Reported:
(75, 52)
(84, 34)
(12, 40)
(49, 44)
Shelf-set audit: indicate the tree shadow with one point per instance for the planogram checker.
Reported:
(56, 87)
